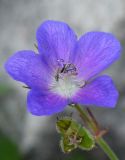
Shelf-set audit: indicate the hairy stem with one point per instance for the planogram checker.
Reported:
(90, 120)
(105, 147)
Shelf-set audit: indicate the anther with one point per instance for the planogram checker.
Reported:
(60, 62)
(65, 68)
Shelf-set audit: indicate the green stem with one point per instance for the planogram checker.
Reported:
(105, 147)
(93, 126)
(84, 116)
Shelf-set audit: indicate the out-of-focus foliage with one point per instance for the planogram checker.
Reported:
(5, 90)
(8, 150)
(80, 156)
(77, 157)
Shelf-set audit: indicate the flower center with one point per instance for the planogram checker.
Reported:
(65, 81)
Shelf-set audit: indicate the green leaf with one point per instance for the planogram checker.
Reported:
(8, 150)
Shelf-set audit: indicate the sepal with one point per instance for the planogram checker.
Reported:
(73, 135)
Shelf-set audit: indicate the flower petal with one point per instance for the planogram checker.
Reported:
(27, 67)
(56, 40)
(41, 103)
(95, 51)
(100, 92)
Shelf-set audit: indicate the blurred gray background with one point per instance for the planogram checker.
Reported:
(23, 136)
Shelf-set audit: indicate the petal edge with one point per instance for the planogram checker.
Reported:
(56, 40)
(27, 67)
(45, 104)
(99, 92)
(95, 51)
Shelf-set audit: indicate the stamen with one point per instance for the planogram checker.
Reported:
(60, 62)
(66, 82)
(64, 68)
(69, 68)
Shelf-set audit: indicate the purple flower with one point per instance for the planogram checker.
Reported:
(65, 70)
